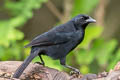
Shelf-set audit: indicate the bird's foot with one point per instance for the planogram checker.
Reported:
(75, 71)
(39, 63)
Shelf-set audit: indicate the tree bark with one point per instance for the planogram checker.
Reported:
(39, 72)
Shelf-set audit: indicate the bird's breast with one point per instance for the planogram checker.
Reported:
(79, 36)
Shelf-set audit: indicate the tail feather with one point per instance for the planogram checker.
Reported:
(22, 67)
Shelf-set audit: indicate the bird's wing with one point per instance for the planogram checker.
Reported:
(50, 39)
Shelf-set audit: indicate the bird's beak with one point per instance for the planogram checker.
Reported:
(90, 20)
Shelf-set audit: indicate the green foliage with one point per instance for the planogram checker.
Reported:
(83, 6)
(92, 32)
(114, 59)
(106, 49)
(21, 11)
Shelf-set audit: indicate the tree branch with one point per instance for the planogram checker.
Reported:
(37, 72)
(54, 10)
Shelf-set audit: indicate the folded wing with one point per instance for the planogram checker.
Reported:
(47, 39)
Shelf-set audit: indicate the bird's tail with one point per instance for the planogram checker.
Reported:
(22, 67)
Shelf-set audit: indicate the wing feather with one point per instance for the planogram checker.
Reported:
(50, 38)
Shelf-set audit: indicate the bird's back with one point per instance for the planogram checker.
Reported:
(64, 28)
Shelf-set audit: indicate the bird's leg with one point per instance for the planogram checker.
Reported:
(42, 62)
(62, 62)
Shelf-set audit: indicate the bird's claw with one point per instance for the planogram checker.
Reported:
(76, 71)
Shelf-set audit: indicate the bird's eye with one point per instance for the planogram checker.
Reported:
(82, 18)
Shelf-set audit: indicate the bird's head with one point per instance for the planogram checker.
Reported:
(83, 20)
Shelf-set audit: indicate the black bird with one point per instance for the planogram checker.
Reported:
(57, 42)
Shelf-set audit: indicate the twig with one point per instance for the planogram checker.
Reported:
(54, 10)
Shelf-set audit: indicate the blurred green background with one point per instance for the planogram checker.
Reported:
(22, 20)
